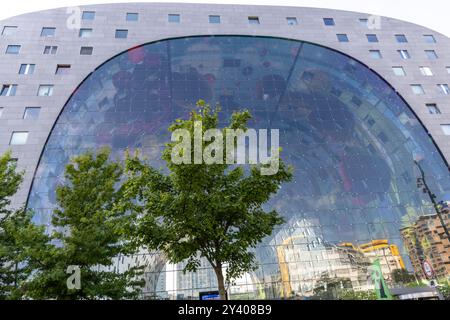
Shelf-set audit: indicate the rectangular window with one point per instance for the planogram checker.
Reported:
(86, 51)
(375, 54)
(88, 15)
(431, 54)
(372, 37)
(13, 49)
(8, 90)
(19, 138)
(45, 90)
(429, 38)
(448, 70)
(399, 71)
(328, 21)
(401, 38)
(433, 108)
(32, 113)
(417, 89)
(426, 71)
(342, 37)
(26, 69)
(444, 88)
(174, 18)
(48, 32)
(1, 111)
(62, 69)
(85, 33)
(404, 54)
(292, 21)
(214, 19)
(364, 22)
(121, 34)
(50, 49)
(446, 129)
(132, 16)
(9, 30)
(253, 20)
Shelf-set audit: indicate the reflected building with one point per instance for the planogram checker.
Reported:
(349, 125)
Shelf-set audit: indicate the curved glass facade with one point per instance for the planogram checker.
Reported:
(351, 139)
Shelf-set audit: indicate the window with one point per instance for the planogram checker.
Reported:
(404, 54)
(48, 32)
(174, 18)
(214, 19)
(26, 69)
(433, 108)
(253, 20)
(85, 33)
(50, 49)
(88, 15)
(372, 37)
(429, 38)
(86, 51)
(401, 38)
(448, 69)
(45, 90)
(19, 138)
(342, 37)
(121, 34)
(446, 129)
(291, 21)
(364, 22)
(328, 21)
(444, 88)
(1, 111)
(8, 90)
(417, 89)
(426, 71)
(399, 71)
(132, 16)
(13, 49)
(32, 113)
(431, 54)
(62, 69)
(375, 54)
(9, 30)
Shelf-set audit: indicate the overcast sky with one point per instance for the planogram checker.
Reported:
(433, 14)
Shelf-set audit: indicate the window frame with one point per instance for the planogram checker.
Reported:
(29, 68)
(49, 90)
(22, 141)
(52, 34)
(10, 46)
(29, 116)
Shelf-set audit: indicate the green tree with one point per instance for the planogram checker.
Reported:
(402, 276)
(88, 234)
(212, 211)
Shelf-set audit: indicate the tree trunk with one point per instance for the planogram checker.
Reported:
(220, 282)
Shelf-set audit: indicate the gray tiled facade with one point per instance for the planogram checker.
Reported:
(153, 25)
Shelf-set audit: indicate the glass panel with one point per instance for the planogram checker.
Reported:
(214, 19)
(131, 16)
(19, 138)
(88, 15)
(31, 113)
(48, 32)
(175, 18)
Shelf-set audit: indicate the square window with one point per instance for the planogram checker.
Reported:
(446, 129)
(8, 90)
(431, 54)
(328, 21)
(444, 88)
(292, 21)
(121, 34)
(86, 51)
(375, 54)
(429, 38)
(50, 49)
(9, 30)
(342, 37)
(417, 89)
(433, 108)
(45, 90)
(13, 49)
(132, 16)
(19, 138)
(174, 18)
(401, 38)
(62, 69)
(426, 71)
(85, 33)
(399, 71)
(48, 32)
(88, 15)
(26, 69)
(253, 20)
(372, 37)
(32, 113)
(214, 19)
(404, 54)
(364, 22)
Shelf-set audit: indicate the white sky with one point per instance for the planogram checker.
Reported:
(433, 14)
